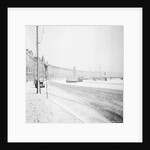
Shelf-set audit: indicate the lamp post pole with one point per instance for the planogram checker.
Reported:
(37, 60)
(46, 75)
(46, 88)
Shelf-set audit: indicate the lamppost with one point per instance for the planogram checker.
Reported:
(38, 85)
(74, 71)
(105, 76)
(46, 75)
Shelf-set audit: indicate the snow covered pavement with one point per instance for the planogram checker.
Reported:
(42, 110)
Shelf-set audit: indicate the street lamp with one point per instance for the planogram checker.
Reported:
(38, 85)
(46, 75)
(105, 76)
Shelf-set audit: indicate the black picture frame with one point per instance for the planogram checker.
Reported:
(3, 8)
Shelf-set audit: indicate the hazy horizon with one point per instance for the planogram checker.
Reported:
(91, 48)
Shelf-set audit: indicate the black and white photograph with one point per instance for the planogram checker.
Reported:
(74, 74)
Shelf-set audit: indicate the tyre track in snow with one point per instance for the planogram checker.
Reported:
(80, 110)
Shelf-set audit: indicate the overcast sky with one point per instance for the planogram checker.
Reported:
(90, 48)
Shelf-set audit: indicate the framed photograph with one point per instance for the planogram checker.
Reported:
(75, 74)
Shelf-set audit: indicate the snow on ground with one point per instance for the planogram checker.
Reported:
(75, 105)
(39, 109)
(91, 105)
(116, 84)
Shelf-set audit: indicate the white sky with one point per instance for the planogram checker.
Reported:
(91, 48)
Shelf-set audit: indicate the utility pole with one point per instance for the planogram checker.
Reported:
(38, 87)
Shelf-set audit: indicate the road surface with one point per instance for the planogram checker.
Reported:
(89, 104)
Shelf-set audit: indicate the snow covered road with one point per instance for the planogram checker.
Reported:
(115, 84)
(91, 105)
(70, 103)
(82, 111)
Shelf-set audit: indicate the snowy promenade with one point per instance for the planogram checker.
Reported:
(84, 102)
(42, 110)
